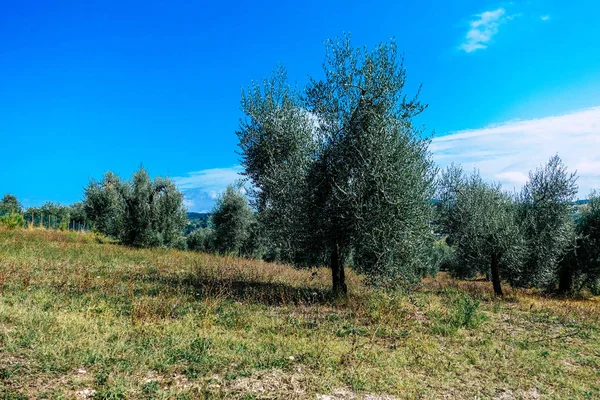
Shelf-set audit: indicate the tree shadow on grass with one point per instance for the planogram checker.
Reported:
(251, 291)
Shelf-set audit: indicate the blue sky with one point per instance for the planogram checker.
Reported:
(90, 86)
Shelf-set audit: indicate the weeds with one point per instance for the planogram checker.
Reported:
(462, 312)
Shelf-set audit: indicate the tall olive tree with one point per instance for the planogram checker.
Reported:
(546, 212)
(341, 168)
(481, 223)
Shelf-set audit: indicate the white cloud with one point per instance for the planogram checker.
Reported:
(507, 152)
(482, 29)
(545, 17)
(202, 188)
(209, 178)
(188, 204)
(514, 177)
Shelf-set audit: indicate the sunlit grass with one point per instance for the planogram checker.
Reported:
(80, 319)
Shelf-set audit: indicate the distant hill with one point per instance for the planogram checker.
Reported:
(196, 221)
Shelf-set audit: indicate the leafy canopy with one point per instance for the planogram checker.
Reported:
(339, 171)
(139, 212)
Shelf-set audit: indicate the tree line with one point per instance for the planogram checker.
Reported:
(49, 215)
(338, 173)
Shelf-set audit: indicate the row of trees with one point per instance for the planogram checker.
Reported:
(535, 238)
(338, 174)
(50, 215)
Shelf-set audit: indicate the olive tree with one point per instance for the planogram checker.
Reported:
(104, 205)
(201, 239)
(140, 212)
(481, 223)
(340, 168)
(546, 213)
(581, 265)
(232, 219)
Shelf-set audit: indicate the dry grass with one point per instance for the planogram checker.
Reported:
(82, 319)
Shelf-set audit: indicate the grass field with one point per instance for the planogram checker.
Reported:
(82, 319)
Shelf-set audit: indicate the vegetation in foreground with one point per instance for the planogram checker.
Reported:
(82, 319)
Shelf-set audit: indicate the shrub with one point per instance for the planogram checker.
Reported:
(12, 220)
(463, 312)
(442, 256)
(232, 218)
(201, 240)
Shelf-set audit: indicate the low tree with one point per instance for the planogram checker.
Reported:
(546, 215)
(56, 215)
(77, 214)
(201, 239)
(232, 219)
(481, 223)
(340, 170)
(10, 204)
(140, 212)
(104, 204)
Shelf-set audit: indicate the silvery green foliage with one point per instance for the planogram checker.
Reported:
(104, 204)
(372, 181)
(481, 223)
(232, 219)
(140, 212)
(580, 268)
(201, 240)
(546, 214)
(277, 148)
(339, 170)
(53, 215)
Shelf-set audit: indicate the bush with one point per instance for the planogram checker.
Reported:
(141, 212)
(232, 219)
(463, 312)
(12, 220)
(201, 240)
(442, 257)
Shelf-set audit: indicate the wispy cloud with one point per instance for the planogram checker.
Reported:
(545, 17)
(507, 152)
(482, 29)
(202, 188)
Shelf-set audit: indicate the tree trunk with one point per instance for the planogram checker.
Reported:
(337, 272)
(565, 280)
(496, 276)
